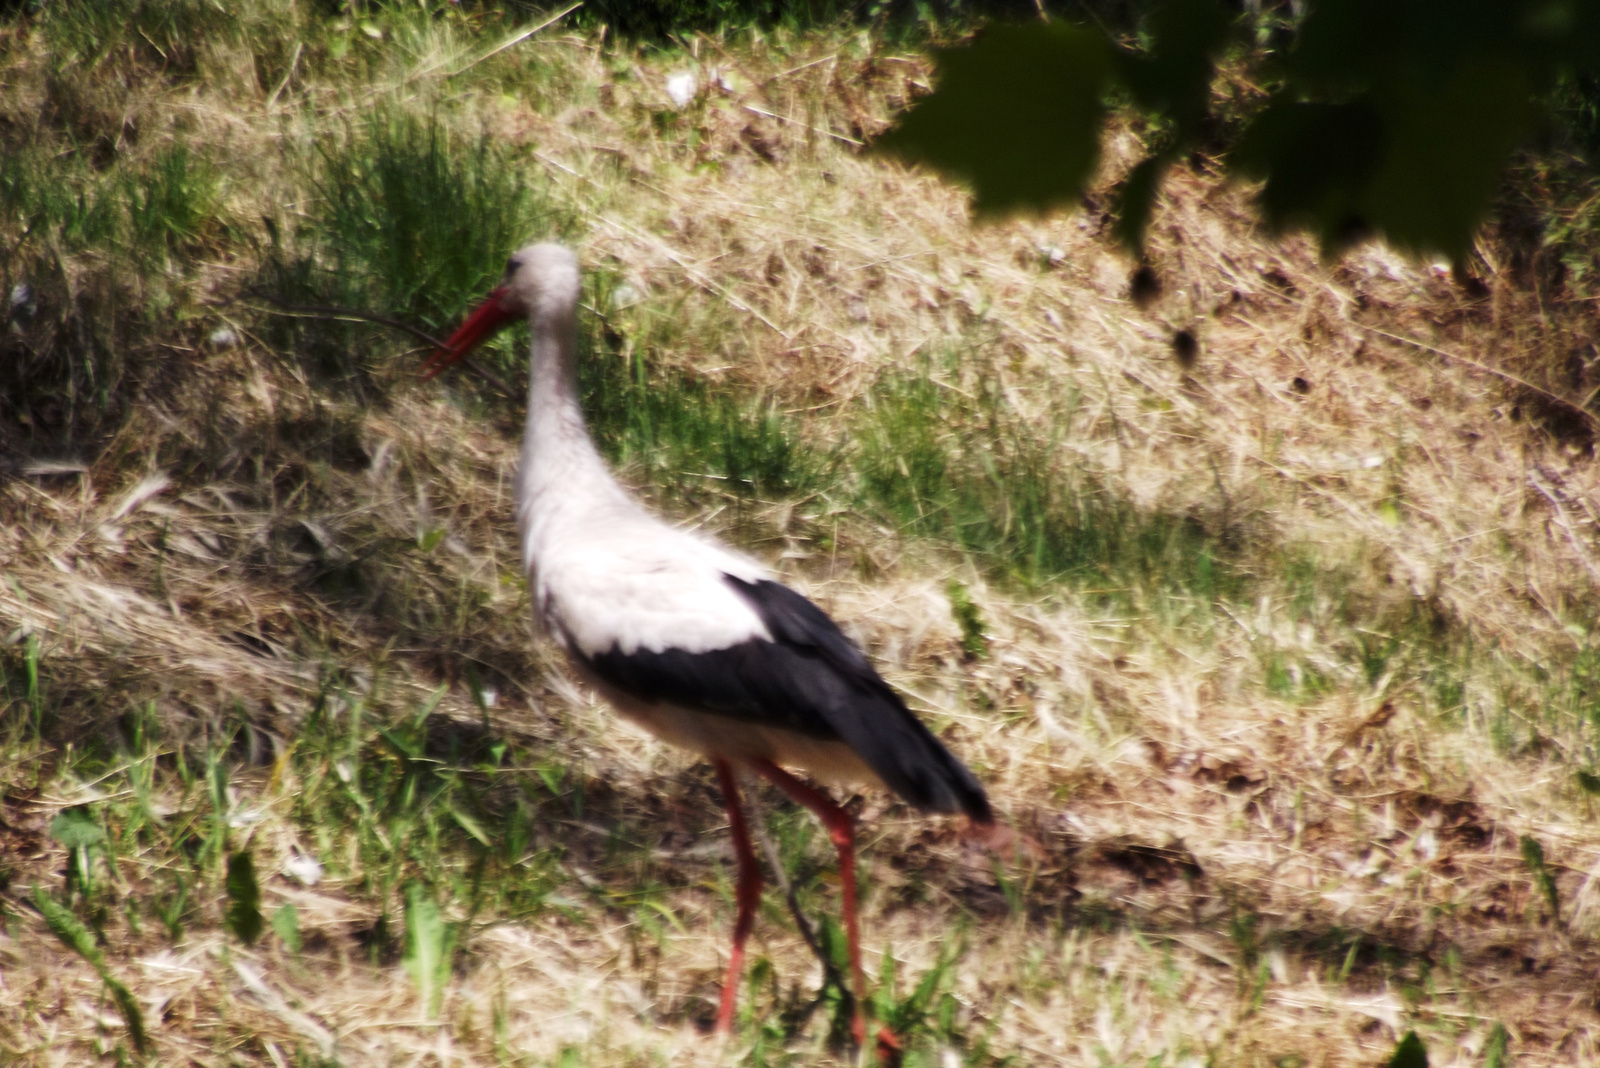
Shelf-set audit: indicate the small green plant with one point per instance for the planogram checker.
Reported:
(430, 947)
(79, 831)
(21, 689)
(170, 203)
(170, 909)
(964, 610)
(1543, 878)
(376, 237)
(78, 938)
(380, 196)
(929, 1007)
(837, 998)
(286, 925)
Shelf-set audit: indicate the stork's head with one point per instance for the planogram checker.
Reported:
(541, 285)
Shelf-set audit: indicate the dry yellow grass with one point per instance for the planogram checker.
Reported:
(1207, 873)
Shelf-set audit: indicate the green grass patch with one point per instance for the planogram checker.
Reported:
(416, 798)
(97, 259)
(681, 433)
(951, 465)
(438, 826)
(161, 33)
(411, 218)
(386, 799)
(954, 463)
(138, 215)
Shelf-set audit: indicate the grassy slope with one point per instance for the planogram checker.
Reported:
(1289, 653)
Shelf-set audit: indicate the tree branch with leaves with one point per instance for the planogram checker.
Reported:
(1391, 118)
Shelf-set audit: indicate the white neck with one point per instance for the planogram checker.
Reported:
(563, 475)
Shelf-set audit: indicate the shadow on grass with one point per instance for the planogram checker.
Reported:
(97, 291)
(943, 454)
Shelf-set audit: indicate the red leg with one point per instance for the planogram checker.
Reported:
(841, 828)
(748, 894)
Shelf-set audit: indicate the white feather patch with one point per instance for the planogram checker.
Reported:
(643, 585)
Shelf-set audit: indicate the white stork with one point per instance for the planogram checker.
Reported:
(697, 644)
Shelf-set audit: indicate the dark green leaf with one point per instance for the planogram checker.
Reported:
(1448, 143)
(1017, 114)
(1387, 119)
(1315, 159)
(1410, 1053)
(1588, 782)
(1414, 160)
(1399, 119)
(244, 899)
(1347, 44)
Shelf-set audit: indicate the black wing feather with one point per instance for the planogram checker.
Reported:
(809, 679)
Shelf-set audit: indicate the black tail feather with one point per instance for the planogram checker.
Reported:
(812, 662)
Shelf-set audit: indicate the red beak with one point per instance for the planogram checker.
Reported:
(487, 318)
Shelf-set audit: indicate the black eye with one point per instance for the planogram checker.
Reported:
(512, 265)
